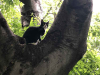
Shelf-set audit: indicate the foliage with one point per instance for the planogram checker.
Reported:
(11, 12)
(90, 63)
(50, 8)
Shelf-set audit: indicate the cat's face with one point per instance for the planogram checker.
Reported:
(44, 24)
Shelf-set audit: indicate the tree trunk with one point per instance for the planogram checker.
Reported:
(62, 48)
(29, 7)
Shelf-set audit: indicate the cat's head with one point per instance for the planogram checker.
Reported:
(44, 24)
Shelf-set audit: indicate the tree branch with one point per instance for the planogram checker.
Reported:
(4, 24)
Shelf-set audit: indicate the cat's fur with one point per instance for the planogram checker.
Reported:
(33, 34)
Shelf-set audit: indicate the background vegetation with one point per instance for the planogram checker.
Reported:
(90, 63)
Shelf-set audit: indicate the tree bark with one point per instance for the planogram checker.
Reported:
(29, 7)
(63, 46)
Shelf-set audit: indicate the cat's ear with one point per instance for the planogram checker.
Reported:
(48, 22)
(41, 20)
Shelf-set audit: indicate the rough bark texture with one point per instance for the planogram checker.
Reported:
(30, 6)
(62, 48)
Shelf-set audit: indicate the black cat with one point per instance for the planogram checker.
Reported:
(33, 34)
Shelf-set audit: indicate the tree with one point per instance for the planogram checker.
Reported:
(30, 7)
(62, 48)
